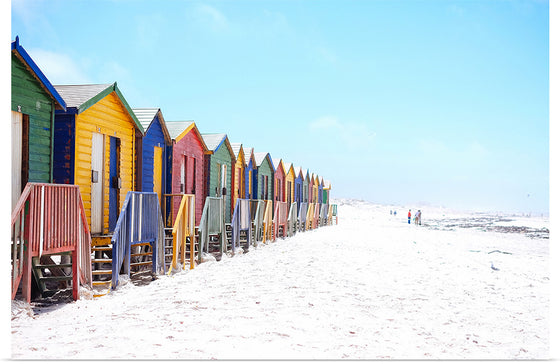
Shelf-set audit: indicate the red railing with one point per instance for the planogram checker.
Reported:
(280, 219)
(49, 219)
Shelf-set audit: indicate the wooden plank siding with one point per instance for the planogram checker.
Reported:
(290, 178)
(29, 98)
(188, 143)
(223, 155)
(298, 186)
(265, 172)
(279, 182)
(250, 174)
(110, 118)
(153, 137)
(238, 177)
(305, 187)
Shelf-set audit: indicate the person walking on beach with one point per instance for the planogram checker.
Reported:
(416, 217)
(419, 217)
(409, 215)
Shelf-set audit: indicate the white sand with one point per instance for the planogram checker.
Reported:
(371, 287)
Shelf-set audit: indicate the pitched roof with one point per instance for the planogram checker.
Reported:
(215, 141)
(260, 157)
(277, 162)
(146, 116)
(176, 128)
(298, 171)
(23, 56)
(236, 147)
(78, 95)
(82, 97)
(249, 153)
(288, 167)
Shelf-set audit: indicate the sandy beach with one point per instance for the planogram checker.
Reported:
(460, 286)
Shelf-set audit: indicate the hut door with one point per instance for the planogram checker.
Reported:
(191, 168)
(114, 181)
(183, 178)
(289, 200)
(158, 153)
(17, 132)
(97, 143)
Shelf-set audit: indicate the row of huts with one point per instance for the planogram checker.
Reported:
(89, 136)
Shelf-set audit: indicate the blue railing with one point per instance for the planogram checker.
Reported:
(292, 219)
(241, 221)
(211, 223)
(140, 221)
(302, 216)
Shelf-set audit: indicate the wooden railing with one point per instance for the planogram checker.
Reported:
(268, 233)
(258, 218)
(139, 222)
(49, 219)
(316, 214)
(211, 223)
(292, 219)
(333, 214)
(302, 215)
(280, 219)
(323, 216)
(309, 217)
(241, 221)
(183, 228)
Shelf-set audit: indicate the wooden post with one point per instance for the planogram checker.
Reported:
(75, 274)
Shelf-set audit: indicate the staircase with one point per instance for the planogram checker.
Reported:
(51, 277)
(48, 221)
(101, 267)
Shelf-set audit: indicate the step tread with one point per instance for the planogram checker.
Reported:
(55, 278)
(100, 272)
(101, 260)
(61, 265)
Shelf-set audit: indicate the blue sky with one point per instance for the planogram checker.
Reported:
(445, 102)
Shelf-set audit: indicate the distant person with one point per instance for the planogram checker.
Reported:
(395, 212)
(419, 217)
(416, 217)
(391, 212)
(409, 215)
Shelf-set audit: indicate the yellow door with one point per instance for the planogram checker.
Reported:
(158, 152)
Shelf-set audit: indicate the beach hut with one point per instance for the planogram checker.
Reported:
(250, 174)
(34, 101)
(155, 143)
(219, 161)
(238, 178)
(279, 181)
(320, 185)
(326, 192)
(186, 162)
(96, 141)
(305, 186)
(290, 178)
(265, 175)
(298, 185)
(314, 190)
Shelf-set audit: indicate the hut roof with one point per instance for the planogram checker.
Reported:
(249, 153)
(146, 117)
(215, 141)
(260, 157)
(23, 56)
(236, 147)
(178, 129)
(82, 97)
